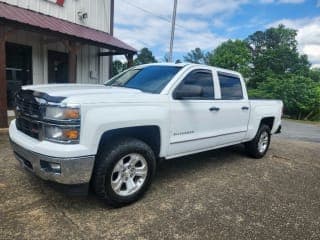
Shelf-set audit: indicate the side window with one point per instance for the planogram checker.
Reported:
(201, 79)
(230, 86)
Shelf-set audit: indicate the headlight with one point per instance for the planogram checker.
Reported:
(62, 113)
(62, 134)
(63, 124)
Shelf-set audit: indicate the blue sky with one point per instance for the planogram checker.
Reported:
(207, 23)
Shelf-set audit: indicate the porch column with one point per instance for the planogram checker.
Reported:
(72, 63)
(3, 80)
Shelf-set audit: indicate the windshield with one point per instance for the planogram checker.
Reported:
(150, 79)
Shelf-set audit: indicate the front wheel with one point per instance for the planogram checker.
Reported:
(258, 146)
(124, 171)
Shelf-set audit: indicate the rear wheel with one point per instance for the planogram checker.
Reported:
(123, 171)
(258, 146)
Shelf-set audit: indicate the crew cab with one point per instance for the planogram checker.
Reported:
(113, 135)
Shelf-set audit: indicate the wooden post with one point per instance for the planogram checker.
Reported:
(72, 63)
(3, 80)
(73, 49)
(130, 60)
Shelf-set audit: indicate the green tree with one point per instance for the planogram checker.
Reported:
(117, 67)
(300, 94)
(233, 55)
(314, 74)
(274, 51)
(197, 56)
(144, 56)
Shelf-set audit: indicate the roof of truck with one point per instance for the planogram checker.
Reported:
(164, 64)
(187, 64)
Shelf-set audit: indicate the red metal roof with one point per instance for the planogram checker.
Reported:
(37, 20)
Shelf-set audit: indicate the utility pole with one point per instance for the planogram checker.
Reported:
(173, 24)
(111, 26)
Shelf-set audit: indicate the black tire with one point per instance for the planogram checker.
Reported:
(105, 163)
(252, 147)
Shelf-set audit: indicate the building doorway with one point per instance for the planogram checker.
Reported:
(18, 69)
(57, 67)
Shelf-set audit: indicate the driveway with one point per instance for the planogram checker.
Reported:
(214, 195)
(300, 131)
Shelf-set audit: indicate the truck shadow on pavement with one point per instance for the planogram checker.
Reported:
(173, 173)
(173, 168)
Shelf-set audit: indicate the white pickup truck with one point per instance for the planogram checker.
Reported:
(113, 135)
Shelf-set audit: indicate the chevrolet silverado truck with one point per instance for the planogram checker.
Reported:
(111, 136)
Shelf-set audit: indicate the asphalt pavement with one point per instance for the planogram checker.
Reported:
(300, 131)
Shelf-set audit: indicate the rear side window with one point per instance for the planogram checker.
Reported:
(202, 79)
(230, 86)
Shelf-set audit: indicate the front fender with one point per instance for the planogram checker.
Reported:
(99, 119)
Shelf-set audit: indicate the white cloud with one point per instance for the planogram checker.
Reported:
(315, 66)
(192, 24)
(204, 7)
(308, 36)
(143, 23)
(206, 40)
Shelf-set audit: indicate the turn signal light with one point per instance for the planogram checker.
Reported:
(71, 134)
(72, 113)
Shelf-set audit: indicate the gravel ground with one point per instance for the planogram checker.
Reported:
(219, 194)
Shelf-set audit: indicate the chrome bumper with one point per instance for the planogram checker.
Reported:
(75, 170)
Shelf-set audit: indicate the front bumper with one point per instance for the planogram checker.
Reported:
(74, 170)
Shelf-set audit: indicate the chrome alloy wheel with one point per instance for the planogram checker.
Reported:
(263, 142)
(129, 174)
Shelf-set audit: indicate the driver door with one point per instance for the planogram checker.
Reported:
(192, 117)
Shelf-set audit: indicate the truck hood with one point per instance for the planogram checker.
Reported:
(68, 90)
(90, 93)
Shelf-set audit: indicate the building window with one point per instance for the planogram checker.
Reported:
(18, 69)
(58, 67)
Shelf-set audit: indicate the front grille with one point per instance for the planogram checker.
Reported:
(27, 104)
(28, 126)
(28, 114)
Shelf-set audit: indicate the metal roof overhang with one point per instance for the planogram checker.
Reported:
(29, 20)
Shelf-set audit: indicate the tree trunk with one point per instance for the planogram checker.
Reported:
(308, 115)
(299, 116)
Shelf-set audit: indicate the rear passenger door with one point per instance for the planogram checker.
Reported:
(233, 115)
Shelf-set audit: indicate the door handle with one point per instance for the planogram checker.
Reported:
(214, 109)
(245, 108)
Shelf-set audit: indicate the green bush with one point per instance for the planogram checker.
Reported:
(300, 95)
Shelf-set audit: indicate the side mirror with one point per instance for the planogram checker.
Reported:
(188, 91)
